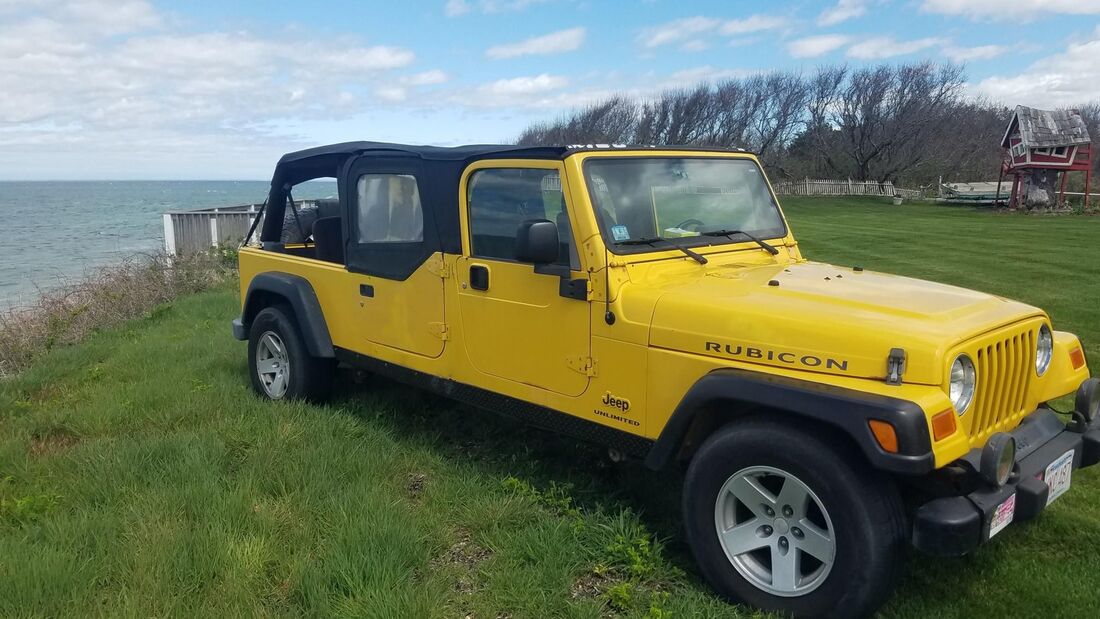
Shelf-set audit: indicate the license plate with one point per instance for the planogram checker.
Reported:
(1057, 476)
(1002, 515)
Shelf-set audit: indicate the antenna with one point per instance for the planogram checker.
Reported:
(608, 315)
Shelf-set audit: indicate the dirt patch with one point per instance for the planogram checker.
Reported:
(588, 586)
(414, 484)
(52, 442)
(595, 583)
(463, 557)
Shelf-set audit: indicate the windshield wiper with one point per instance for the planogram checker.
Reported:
(656, 239)
(729, 234)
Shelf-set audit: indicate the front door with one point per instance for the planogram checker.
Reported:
(391, 250)
(516, 322)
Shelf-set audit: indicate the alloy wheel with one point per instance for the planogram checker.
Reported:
(273, 365)
(775, 531)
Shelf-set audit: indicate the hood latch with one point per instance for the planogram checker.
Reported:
(895, 366)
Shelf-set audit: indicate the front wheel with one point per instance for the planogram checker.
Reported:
(782, 520)
(280, 365)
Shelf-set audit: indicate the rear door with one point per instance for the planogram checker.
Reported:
(391, 242)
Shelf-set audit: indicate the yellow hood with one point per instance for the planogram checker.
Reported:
(823, 318)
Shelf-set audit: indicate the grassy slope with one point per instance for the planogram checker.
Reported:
(138, 476)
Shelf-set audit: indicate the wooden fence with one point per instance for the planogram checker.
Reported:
(816, 187)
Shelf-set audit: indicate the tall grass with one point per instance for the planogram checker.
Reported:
(104, 299)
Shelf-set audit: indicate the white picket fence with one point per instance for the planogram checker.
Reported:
(822, 187)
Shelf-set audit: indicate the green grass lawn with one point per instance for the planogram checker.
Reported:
(140, 477)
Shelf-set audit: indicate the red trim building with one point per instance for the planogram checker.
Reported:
(1039, 143)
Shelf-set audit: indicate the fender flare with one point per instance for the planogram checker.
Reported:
(298, 292)
(843, 409)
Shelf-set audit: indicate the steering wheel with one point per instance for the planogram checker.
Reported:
(690, 222)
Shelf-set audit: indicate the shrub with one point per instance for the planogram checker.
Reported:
(104, 299)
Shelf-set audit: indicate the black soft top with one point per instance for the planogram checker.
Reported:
(436, 153)
(323, 161)
(437, 169)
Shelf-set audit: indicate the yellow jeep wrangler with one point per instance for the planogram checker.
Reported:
(655, 300)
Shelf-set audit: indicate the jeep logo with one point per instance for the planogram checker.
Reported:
(620, 403)
(790, 358)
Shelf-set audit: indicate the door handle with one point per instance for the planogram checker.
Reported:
(366, 290)
(479, 277)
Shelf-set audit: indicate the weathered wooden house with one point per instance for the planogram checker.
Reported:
(1040, 144)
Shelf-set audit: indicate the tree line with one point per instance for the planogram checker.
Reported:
(910, 123)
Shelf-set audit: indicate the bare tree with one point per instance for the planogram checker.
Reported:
(779, 115)
(900, 123)
(609, 122)
(677, 117)
(736, 103)
(888, 115)
(821, 139)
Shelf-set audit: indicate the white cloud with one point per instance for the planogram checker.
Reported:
(677, 30)
(543, 91)
(980, 52)
(113, 17)
(1011, 9)
(688, 78)
(127, 79)
(1067, 78)
(811, 47)
(753, 23)
(842, 12)
(524, 86)
(426, 78)
(553, 43)
(397, 91)
(879, 48)
(454, 8)
(688, 29)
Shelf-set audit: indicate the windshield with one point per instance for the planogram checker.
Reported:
(640, 199)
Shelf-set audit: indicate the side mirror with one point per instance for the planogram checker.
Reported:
(537, 241)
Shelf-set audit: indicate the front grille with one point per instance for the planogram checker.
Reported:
(1004, 368)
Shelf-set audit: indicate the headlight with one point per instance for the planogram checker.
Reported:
(1044, 350)
(963, 379)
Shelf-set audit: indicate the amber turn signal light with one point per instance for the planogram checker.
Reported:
(1077, 357)
(943, 424)
(885, 434)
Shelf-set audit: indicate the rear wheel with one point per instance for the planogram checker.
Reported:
(782, 520)
(279, 363)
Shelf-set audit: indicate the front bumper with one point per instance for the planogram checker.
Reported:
(956, 525)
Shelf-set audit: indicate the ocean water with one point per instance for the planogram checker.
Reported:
(52, 232)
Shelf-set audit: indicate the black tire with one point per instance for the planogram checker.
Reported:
(305, 377)
(861, 505)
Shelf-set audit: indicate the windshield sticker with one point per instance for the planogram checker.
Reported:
(620, 233)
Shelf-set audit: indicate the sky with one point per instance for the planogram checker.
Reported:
(145, 89)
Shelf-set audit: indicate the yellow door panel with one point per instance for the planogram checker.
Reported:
(406, 315)
(521, 329)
